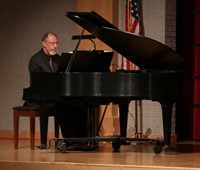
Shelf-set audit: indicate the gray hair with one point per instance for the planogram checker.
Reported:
(45, 36)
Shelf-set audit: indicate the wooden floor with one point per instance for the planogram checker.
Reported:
(139, 156)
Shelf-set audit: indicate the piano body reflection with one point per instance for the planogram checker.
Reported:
(158, 79)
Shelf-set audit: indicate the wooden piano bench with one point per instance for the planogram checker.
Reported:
(32, 113)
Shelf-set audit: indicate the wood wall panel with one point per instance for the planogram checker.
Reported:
(106, 8)
(109, 10)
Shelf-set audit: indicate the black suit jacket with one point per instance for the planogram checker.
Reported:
(40, 62)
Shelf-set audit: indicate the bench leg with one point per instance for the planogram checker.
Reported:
(16, 130)
(32, 132)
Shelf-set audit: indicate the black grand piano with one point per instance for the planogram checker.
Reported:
(159, 77)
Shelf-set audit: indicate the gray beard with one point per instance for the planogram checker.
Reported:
(52, 53)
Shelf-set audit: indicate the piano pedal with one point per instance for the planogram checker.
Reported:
(60, 146)
(63, 144)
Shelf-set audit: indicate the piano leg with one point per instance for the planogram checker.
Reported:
(123, 113)
(167, 118)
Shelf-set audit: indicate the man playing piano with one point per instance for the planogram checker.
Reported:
(47, 60)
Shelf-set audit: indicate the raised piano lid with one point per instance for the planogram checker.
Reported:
(146, 53)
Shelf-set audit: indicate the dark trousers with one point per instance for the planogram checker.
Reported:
(45, 109)
(74, 121)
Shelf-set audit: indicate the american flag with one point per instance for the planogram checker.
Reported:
(132, 25)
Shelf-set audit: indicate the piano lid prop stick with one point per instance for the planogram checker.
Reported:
(100, 124)
(74, 53)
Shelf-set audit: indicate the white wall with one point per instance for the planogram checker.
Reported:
(154, 27)
(23, 23)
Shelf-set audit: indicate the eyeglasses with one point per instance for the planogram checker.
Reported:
(52, 43)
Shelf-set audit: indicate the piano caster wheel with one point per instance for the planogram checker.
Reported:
(116, 145)
(61, 146)
(157, 149)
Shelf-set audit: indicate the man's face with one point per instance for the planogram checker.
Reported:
(50, 45)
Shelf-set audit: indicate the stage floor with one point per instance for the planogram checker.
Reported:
(186, 155)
